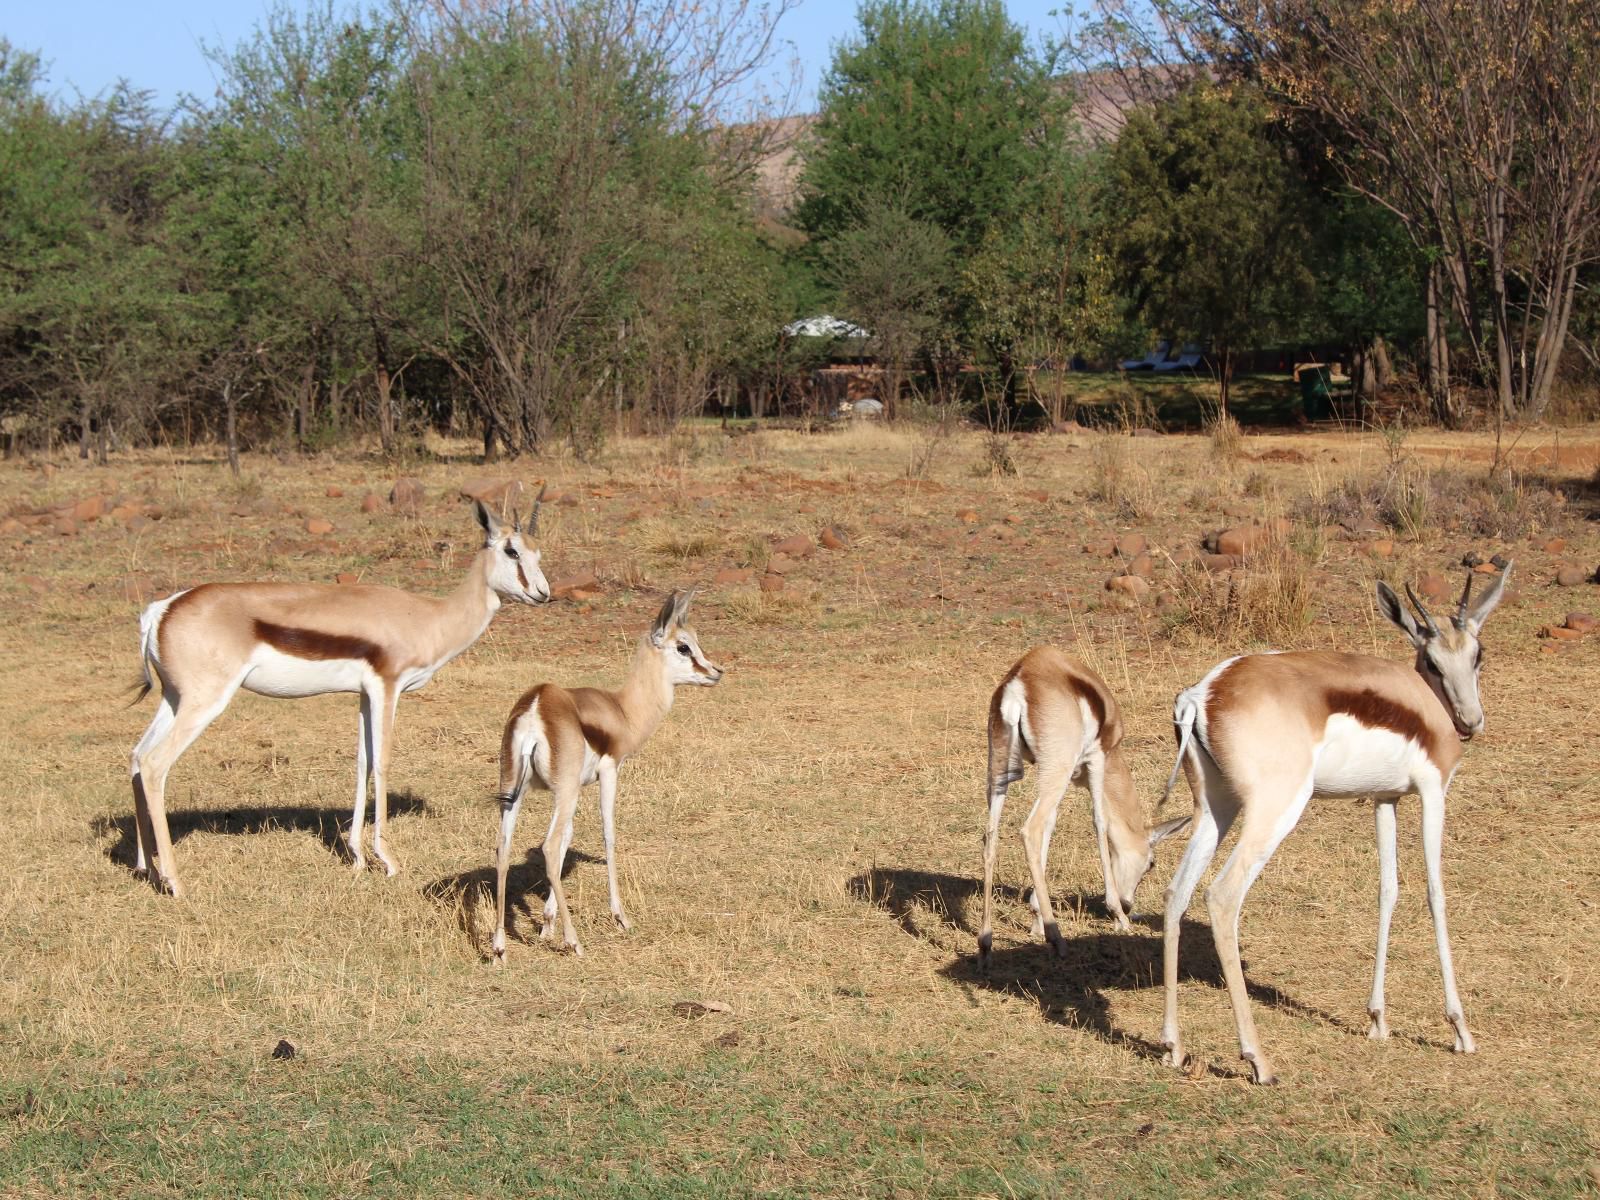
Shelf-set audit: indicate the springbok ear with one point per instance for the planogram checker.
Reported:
(1479, 610)
(1389, 605)
(491, 526)
(1160, 833)
(658, 632)
(680, 605)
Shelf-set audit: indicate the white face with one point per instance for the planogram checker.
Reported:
(1449, 658)
(685, 663)
(514, 572)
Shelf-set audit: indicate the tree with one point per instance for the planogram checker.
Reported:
(1206, 217)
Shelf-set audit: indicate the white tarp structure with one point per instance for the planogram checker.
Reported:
(825, 327)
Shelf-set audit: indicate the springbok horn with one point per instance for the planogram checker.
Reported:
(533, 517)
(1461, 610)
(1422, 611)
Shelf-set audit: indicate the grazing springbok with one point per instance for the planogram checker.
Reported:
(562, 740)
(202, 645)
(1054, 711)
(1262, 734)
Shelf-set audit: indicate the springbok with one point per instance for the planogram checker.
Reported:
(289, 640)
(1054, 711)
(1263, 733)
(562, 740)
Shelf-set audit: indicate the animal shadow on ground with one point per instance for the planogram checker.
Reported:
(329, 824)
(1069, 990)
(526, 888)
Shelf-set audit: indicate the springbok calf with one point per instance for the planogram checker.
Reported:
(1260, 735)
(563, 740)
(304, 639)
(1054, 711)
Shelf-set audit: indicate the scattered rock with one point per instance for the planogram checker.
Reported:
(406, 494)
(1243, 540)
(834, 538)
(1383, 548)
(1560, 633)
(732, 575)
(1129, 585)
(64, 525)
(1166, 602)
(771, 583)
(1471, 558)
(1219, 562)
(1499, 561)
(370, 503)
(796, 545)
(700, 1008)
(1555, 546)
(138, 589)
(91, 508)
(318, 526)
(334, 491)
(35, 584)
(492, 492)
(1486, 568)
(1130, 545)
(967, 516)
(138, 524)
(126, 511)
(780, 564)
(570, 499)
(1433, 586)
(568, 586)
(1013, 519)
(1037, 497)
(1101, 547)
(285, 1049)
(1570, 576)
(1142, 565)
(1582, 622)
(11, 525)
(347, 577)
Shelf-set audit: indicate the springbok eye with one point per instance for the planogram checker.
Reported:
(683, 649)
(511, 552)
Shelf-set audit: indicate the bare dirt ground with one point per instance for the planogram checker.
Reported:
(800, 844)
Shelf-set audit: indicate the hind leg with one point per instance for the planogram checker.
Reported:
(143, 831)
(1036, 833)
(1209, 825)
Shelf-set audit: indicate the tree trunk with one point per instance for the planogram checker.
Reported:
(308, 382)
(1224, 380)
(232, 407)
(1552, 342)
(1438, 351)
(84, 434)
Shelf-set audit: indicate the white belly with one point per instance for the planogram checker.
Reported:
(273, 673)
(1355, 760)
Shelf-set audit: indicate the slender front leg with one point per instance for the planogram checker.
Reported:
(991, 842)
(1095, 768)
(508, 829)
(364, 748)
(1036, 832)
(1388, 892)
(608, 803)
(380, 774)
(1432, 849)
(555, 853)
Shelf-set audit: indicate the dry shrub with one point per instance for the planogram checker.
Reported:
(1227, 439)
(673, 541)
(1132, 408)
(1412, 501)
(771, 608)
(998, 458)
(1270, 600)
(1116, 479)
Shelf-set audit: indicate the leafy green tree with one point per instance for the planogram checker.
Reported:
(1206, 217)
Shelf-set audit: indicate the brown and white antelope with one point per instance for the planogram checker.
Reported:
(289, 640)
(561, 740)
(1262, 734)
(1054, 711)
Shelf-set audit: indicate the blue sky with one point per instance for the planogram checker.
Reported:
(156, 44)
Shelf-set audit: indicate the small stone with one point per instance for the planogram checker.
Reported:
(1243, 540)
(35, 584)
(566, 587)
(1166, 602)
(1486, 568)
(967, 516)
(1570, 576)
(318, 526)
(1471, 558)
(733, 575)
(285, 1049)
(1433, 586)
(1142, 565)
(796, 545)
(371, 503)
(347, 577)
(1130, 545)
(1037, 497)
(1219, 562)
(492, 492)
(1128, 585)
(1560, 633)
(569, 500)
(334, 491)
(780, 564)
(138, 524)
(1499, 562)
(406, 494)
(834, 538)
(91, 508)
(11, 525)
(771, 583)
(1013, 519)
(1382, 548)
(1555, 546)
(1101, 547)
(64, 525)
(1582, 622)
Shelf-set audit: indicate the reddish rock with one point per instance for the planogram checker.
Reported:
(347, 577)
(1570, 576)
(317, 526)
(334, 491)
(406, 494)
(1037, 497)
(1142, 565)
(1185, 556)
(138, 524)
(1218, 562)
(554, 495)
(35, 584)
(568, 500)
(90, 508)
(967, 516)
(1382, 548)
(780, 564)
(1128, 585)
(1486, 568)
(126, 511)
(1166, 602)
(11, 525)
(492, 492)
(834, 538)
(64, 525)
(1013, 519)
(796, 545)
(1560, 633)
(1130, 545)
(370, 503)
(771, 583)
(1433, 586)
(1101, 547)
(732, 575)
(567, 586)
(1243, 540)
(1582, 622)
(1556, 546)
(422, 564)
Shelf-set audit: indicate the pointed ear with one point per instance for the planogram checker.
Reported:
(680, 605)
(664, 618)
(1488, 601)
(1389, 605)
(491, 526)
(1160, 833)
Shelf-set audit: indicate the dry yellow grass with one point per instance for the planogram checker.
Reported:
(800, 844)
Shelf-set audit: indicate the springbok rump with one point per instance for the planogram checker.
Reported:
(289, 640)
(1260, 735)
(562, 740)
(1054, 711)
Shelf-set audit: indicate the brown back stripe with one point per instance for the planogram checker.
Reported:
(1379, 712)
(313, 644)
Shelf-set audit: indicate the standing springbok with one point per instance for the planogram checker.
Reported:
(1054, 711)
(562, 740)
(1261, 734)
(289, 640)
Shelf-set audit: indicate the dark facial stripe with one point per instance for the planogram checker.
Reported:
(320, 647)
(1379, 712)
(521, 578)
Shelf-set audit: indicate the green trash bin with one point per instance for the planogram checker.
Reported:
(1316, 393)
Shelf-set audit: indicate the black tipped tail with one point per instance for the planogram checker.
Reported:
(143, 686)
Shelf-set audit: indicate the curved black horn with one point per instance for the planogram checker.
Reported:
(1461, 609)
(533, 517)
(1422, 611)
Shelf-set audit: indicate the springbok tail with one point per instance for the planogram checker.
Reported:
(1005, 750)
(149, 623)
(1184, 714)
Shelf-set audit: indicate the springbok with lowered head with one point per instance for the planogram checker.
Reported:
(289, 640)
(561, 740)
(1054, 711)
(1262, 734)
